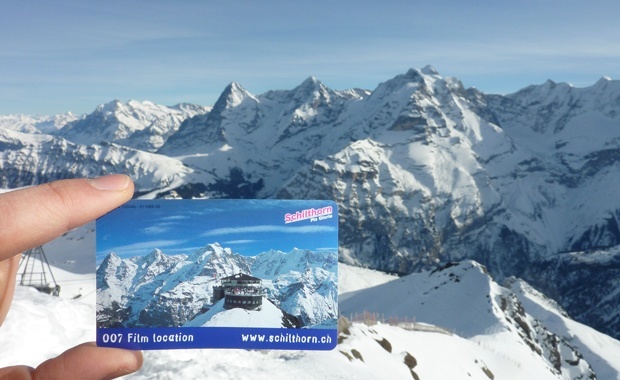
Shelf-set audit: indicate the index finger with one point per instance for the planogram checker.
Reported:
(33, 216)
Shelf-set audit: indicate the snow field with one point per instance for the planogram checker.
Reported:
(460, 298)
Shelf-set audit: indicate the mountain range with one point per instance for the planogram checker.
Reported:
(424, 171)
(158, 290)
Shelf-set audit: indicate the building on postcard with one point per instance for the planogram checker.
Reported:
(239, 291)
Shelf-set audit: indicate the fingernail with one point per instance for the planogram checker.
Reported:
(110, 182)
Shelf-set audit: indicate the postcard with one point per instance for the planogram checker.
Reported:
(253, 274)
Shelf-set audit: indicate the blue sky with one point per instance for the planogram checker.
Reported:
(248, 227)
(59, 56)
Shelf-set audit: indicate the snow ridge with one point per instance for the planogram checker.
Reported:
(489, 312)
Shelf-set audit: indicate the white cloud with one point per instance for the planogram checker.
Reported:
(164, 226)
(173, 218)
(241, 241)
(269, 228)
(327, 249)
(143, 248)
(156, 229)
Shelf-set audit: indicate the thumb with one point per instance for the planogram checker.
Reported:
(86, 361)
(8, 271)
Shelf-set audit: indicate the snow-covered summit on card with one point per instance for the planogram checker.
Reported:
(267, 315)
(299, 283)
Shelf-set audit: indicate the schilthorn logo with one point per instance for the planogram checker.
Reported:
(313, 214)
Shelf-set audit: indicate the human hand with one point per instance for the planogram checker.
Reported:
(33, 216)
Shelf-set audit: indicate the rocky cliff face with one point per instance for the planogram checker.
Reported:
(585, 283)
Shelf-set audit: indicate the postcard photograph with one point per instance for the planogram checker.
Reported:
(218, 273)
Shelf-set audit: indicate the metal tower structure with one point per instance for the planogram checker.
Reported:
(36, 271)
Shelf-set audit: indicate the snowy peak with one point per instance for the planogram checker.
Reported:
(156, 259)
(109, 108)
(311, 82)
(424, 76)
(36, 124)
(403, 85)
(155, 255)
(45, 158)
(551, 106)
(412, 75)
(206, 250)
(212, 251)
(297, 121)
(429, 70)
(111, 259)
(311, 91)
(232, 96)
(267, 315)
(211, 261)
(274, 262)
(108, 268)
(233, 115)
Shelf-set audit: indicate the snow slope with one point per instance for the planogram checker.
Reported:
(465, 300)
(29, 159)
(352, 278)
(40, 326)
(267, 315)
(594, 346)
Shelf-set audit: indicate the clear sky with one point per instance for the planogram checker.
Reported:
(58, 56)
(248, 227)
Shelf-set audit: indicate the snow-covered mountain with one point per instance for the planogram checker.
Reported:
(160, 290)
(266, 315)
(317, 300)
(424, 170)
(36, 124)
(463, 299)
(140, 125)
(586, 284)
(28, 159)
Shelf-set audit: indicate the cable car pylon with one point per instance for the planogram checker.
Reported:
(35, 272)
